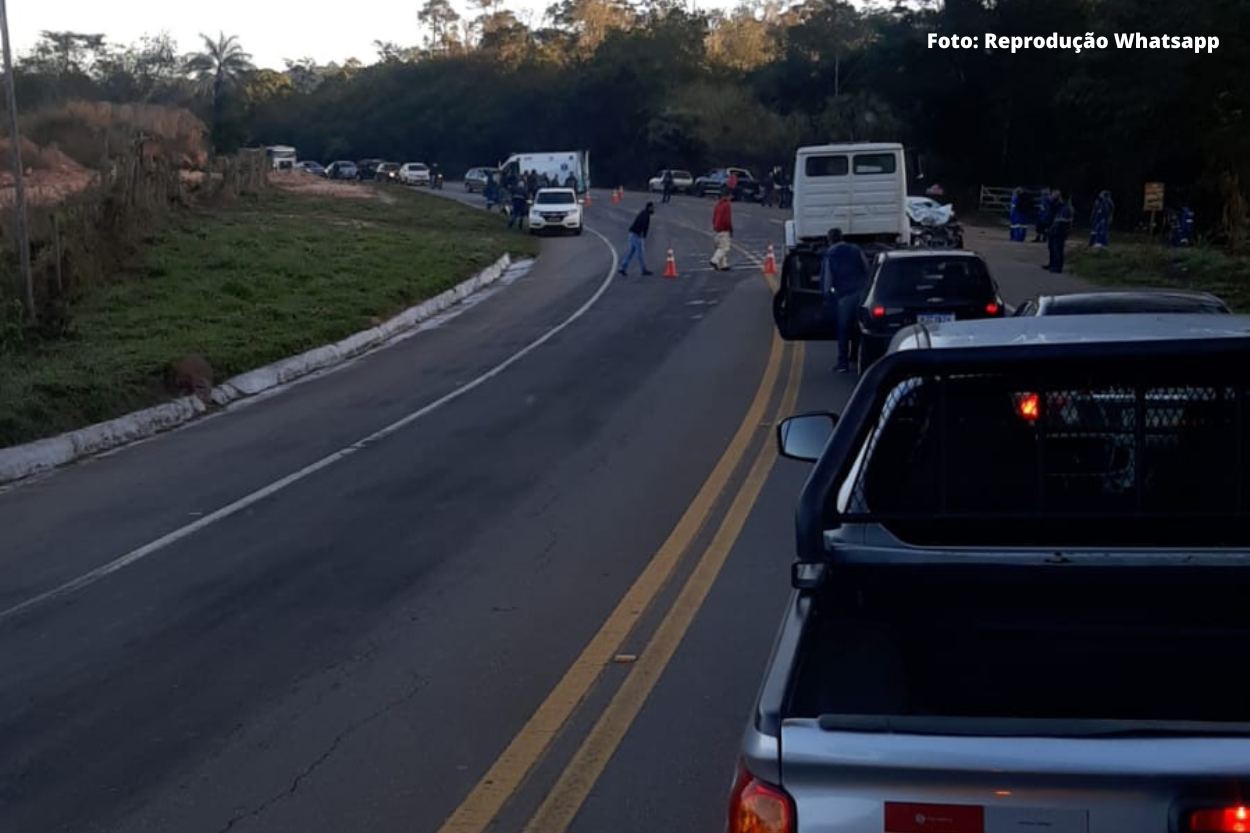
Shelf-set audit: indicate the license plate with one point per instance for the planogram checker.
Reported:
(935, 317)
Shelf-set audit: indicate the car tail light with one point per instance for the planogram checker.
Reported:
(1234, 819)
(1028, 406)
(878, 312)
(756, 807)
(992, 308)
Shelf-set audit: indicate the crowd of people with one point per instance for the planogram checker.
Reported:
(514, 190)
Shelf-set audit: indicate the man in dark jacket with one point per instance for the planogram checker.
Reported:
(637, 240)
(520, 206)
(1060, 225)
(666, 182)
(843, 279)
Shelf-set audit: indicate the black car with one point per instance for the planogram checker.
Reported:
(1149, 301)
(387, 172)
(368, 168)
(716, 182)
(920, 287)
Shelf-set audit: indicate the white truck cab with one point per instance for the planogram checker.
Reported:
(860, 188)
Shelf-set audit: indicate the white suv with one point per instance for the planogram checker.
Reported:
(414, 173)
(555, 209)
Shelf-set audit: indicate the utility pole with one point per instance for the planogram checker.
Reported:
(19, 190)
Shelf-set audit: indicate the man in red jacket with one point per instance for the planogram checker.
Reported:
(723, 225)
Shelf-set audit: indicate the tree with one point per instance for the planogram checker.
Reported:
(440, 18)
(66, 53)
(219, 67)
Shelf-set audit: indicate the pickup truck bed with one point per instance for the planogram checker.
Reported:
(1045, 648)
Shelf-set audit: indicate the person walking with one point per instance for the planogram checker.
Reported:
(1018, 228)
(1057, 235)
(667, 182)
(1100, 220)
(520, 204)
(638, 240)
(1043, 215)
(723, 227)
(843, 279)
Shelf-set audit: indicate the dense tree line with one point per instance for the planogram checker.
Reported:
(653, 85)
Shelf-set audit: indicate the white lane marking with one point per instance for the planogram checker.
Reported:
(123, 561)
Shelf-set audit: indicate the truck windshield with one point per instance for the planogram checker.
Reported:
(908, 281)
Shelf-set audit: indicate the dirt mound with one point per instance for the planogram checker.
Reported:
(302, 183)
(91, 132)
(51, 175)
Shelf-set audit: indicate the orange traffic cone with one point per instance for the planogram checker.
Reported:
(616, 196)
(588, 202)
(770, 263)
(670, 267)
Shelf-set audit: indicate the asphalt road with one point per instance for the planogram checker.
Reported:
(542, 601)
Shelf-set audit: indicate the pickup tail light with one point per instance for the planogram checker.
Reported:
(1028, 406)
(878, 312)
(757, 807)
(1232, 819)
(992, 308)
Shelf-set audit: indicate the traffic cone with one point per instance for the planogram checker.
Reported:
(588, 202)
(770, 263)
(616, 196)
(670, 266)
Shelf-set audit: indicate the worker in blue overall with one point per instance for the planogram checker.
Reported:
(1100, 220)
(1060, 225)
(1019, 230)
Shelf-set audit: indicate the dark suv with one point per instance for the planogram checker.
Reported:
(923, 287)
(716, 183)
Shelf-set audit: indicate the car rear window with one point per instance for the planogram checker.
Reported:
(555, 198)
(826, 166)
(874, 163)
(1003, 456)
(912, 281)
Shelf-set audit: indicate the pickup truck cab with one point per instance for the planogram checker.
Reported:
(1022, 558)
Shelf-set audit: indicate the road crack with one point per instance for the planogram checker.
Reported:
(320, 760)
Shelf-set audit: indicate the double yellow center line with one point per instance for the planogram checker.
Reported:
(505, 776)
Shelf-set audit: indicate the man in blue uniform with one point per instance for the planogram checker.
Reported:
(1018, 228)
(1100, 220)
(1057, 235)
(843, 278)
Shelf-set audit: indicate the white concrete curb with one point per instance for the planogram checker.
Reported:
(21, 461)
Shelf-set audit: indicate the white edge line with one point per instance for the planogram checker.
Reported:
(123, 561)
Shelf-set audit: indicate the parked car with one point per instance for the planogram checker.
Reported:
(475, 178)
(310, 167)
(987, 618)
(923, 287)
(1153, 301)
(342, 169)
(555, 209)
(387, 172)
(682, 181)
(716, 182)
(414, 173)
(368, 168)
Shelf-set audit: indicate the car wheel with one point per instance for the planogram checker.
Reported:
(578, 231)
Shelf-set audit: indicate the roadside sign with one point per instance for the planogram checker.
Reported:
(1153, 200)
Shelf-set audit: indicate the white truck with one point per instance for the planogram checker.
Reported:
(859, 188)
(558, 166)
(281, 157)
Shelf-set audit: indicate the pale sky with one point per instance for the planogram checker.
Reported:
(270, 29)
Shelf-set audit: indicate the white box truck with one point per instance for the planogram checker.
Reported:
(557, 165)
(860, 188)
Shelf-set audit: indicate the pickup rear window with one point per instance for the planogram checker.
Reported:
(1019, 461)
(915, 281)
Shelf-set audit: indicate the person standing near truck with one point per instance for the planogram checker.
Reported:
(723, 227)
(843, 278)
(1060, 225)
(520, 204)
(638, 239)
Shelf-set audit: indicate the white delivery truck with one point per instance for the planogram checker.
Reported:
(558, 166)
(281, 157)
(859, 188)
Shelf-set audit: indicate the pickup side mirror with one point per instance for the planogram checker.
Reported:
(805, 436)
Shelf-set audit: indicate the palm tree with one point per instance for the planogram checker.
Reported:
(218, 67)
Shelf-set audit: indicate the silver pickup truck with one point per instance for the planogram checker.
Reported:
(1022, 589)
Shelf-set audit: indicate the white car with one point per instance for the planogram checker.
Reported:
(414, 173)
(555, 209)
(682, 181)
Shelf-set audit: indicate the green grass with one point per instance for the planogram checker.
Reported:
(1151, 264)
(244, 285)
